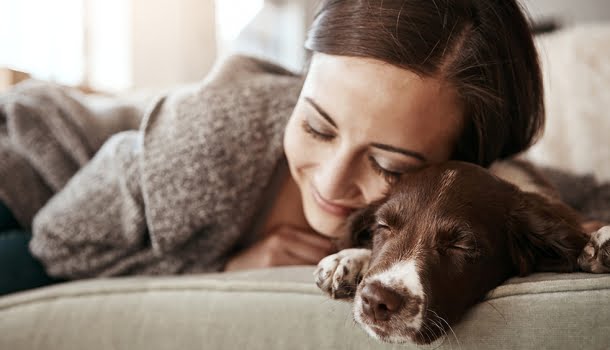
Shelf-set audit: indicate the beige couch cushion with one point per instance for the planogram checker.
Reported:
(282, 309)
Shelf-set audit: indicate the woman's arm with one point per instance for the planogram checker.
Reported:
(47, 133)
(97, 224)
(176, 195)
(284, 245)
(98, 219)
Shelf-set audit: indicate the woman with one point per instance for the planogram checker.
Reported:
(391, 86)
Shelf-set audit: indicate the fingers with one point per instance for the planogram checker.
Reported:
(304, 254)
(284, 245)
(303, 247)
(312, 238)
(591, 226)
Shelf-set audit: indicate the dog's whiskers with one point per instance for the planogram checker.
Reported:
(448, 326)
(440, 328)
(428, 333)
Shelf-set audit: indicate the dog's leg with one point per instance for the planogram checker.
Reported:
(338, 275)
(595, 257)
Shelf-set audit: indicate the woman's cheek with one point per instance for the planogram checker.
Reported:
(375, 188)
(291, 141)
(300, 148)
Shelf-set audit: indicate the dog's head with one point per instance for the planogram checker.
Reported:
(443, 238)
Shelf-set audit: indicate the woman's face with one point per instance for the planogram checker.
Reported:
(357, 125)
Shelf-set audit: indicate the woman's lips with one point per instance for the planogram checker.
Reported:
(329, 207)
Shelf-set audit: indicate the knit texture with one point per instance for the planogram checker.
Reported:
(174, 187)
(47, 133)
(175, 195)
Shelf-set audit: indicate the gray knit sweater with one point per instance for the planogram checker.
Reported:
(174, 196)
(175, 187)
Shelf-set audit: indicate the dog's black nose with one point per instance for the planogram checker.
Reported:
(380, 302)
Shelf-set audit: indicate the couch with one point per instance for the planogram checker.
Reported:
(281, 308)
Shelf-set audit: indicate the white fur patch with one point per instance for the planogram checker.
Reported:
(403, 274)
(330, 274)
(602, 235)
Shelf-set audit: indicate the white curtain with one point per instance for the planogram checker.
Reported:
(109, 45)
(43, 38)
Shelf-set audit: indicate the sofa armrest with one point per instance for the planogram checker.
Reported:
(281, 308)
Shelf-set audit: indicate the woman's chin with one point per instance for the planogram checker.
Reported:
(325, 224)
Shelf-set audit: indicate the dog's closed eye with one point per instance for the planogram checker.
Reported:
(382, 228)
(460, 242)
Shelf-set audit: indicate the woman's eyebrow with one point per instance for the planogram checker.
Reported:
(384, 147)
(321, 111)
(405, 152)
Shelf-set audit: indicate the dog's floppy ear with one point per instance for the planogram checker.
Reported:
(544, 236)
(359, 228)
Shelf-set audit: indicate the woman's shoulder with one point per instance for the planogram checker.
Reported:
(251, 84)
(240, 89)
(236, 67)
(215, 144)
(244, 101)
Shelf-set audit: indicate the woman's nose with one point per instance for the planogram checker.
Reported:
(335, 177)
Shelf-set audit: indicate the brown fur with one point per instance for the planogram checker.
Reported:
(468, 230)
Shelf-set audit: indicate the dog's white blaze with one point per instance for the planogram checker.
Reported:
(403, 275)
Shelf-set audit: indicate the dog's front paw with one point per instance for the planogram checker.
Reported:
(338, 275)
(595, 257)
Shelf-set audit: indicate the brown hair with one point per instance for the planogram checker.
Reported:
(484, 48)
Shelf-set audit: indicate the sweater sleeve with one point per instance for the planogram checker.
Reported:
(175, 195)
(98, 218)
(47, 133)
(97, 225)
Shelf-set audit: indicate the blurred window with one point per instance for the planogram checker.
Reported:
(232, 16)
(43, 38)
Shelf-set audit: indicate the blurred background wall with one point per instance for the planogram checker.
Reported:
(109, 45)
(174, 41)
(569, 11)
(116, 45)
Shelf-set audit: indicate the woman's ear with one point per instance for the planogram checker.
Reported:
(544, 236)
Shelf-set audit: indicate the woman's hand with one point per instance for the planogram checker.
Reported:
(284, 245)
(592, 225)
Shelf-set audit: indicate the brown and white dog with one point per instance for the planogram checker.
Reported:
(448, 234)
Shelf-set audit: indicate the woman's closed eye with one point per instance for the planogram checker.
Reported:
(323, 136)
(388, 175)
